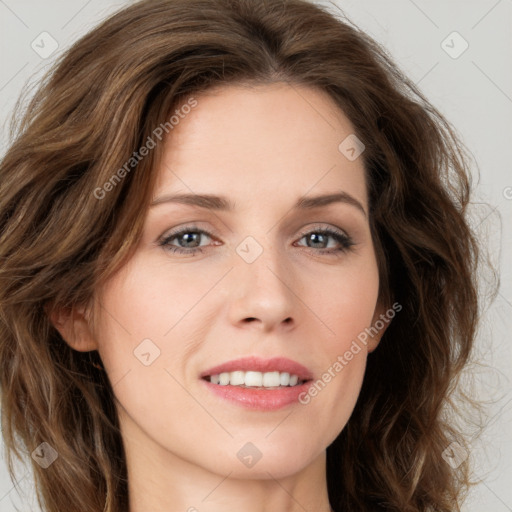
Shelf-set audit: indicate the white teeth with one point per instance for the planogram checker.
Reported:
(271, 379)
(224, 379)
(237, 378)
(284, 379)
(255, 379)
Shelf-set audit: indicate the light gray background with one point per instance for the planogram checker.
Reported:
(474, 91)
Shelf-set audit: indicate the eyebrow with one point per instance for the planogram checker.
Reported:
(213, 202)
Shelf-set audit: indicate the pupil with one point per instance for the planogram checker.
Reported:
(314, 238)
(189, 237)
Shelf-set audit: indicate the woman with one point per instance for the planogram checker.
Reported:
(236, 270)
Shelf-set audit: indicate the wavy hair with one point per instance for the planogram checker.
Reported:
(58, 242)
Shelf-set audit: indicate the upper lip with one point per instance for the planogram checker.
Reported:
(257, 364)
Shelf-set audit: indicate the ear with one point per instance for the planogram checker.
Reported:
(380, 322)
(73, 326)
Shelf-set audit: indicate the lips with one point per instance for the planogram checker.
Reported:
(255, 364)
(261, 390)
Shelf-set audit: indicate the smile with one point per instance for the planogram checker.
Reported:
(258, 384)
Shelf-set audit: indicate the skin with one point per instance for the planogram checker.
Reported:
(181, 440)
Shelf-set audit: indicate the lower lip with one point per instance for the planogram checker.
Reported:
(257, 398)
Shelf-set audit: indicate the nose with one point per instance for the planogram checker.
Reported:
(263, 293)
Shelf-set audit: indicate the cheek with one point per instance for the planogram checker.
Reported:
(139, 318)
(345, 303)
(145, 301)
(346, 308)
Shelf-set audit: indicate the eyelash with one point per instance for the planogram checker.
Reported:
(345, 241)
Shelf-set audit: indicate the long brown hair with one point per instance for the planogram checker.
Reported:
(59, 239)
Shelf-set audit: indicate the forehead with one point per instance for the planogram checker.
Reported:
(248, 141)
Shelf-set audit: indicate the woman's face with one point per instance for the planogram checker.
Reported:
(258, 280)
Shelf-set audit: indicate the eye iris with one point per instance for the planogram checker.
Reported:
(190, 237)
(314, 238)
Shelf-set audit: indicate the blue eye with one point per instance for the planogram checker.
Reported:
(190, 236)
(321, 236)
(189, 240)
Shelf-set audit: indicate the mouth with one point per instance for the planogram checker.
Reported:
(258, 384)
